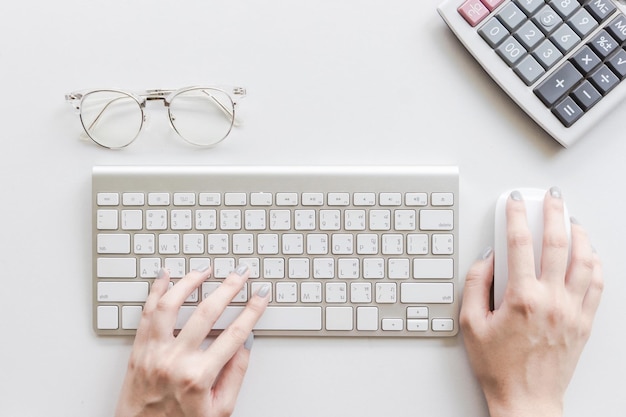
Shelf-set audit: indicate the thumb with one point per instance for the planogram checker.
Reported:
(477, 290)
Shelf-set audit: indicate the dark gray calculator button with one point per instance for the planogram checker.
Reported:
(600, 9)
(564, 7)
(568, 112)
(547, 19)
(553, 88)
(586, 95)
(618, 64)
(493, 32)
(583, 23)
(586, 60)
(603, 44)
(529, 70)
(604, 79)
(617, 28)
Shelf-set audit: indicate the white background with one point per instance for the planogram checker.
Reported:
(329, 82)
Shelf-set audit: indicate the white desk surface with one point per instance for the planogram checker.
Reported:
(350, 82)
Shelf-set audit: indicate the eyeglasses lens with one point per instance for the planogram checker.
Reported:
(202, 116)
(112, 119)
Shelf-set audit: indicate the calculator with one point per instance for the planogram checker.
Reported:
(562, 61)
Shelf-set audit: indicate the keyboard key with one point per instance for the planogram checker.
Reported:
(529, 70)
(116, 268)
(600, 9)
(583, 23)
(339, 318)
(436, 220)
(113, 243)
(511, 16)
(603, 44)
(586, 60)
(426, 292)
(443, 325)
(122, 291)
(556, 86)
(617, 63)
(108, 199)
(547, 20)
(436, 268)
(511, 51)
(547, 54)
(493, 32)
(107, 317)
(367, 318)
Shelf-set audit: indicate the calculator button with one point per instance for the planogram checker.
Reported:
(529, 70)
(565, 38)
(553, 88)
(601, 10)
(547, 54)
(529, 6)
(547, 19)
(492, 4)
(568, 112)
(529, 35)
(511, 16)
(586, 95)
(583, 23)
(511, 51)
(604, 79)
(617, 63)
(493, 32)
(586, 60)
(617, 28)
(564, 7)
(473, 11)
(603, 44)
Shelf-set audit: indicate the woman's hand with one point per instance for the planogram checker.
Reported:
(524, 353)
(171, 375)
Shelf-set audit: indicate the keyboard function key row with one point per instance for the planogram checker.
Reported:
(281, 199)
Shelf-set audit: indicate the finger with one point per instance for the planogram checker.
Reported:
(211, 308)
(229, 341)
(228, 384)
(477, 290)
(594, 292)
(168, 306)
(582, 265)
(555, 249)
(521, 260)
(158, 288)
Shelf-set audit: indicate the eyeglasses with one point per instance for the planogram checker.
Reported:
(202, 116)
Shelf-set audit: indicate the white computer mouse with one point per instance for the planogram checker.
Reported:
(533, 197)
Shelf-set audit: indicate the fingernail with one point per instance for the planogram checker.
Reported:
(574, 220)
(204, 268)
(263, 291)
(241, 269)
(486, 253)
(516, 195)
(249, 341)
(161, 273)
(555, 192)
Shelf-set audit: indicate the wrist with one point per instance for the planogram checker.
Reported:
(524, 407)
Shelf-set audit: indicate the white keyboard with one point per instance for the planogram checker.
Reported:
(347, 251)
(562, 61)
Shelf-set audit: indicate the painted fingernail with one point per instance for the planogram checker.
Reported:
(555, 192)
(204, 268)
(161, 273)
(249, 341)
(486, 253)
(241, 269)
(516, 195)
(263, 291)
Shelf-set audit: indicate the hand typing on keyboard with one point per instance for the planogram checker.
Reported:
(525, 352)
(172, 376)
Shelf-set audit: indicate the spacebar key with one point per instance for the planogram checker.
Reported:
(278, 318)
(290, 318)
